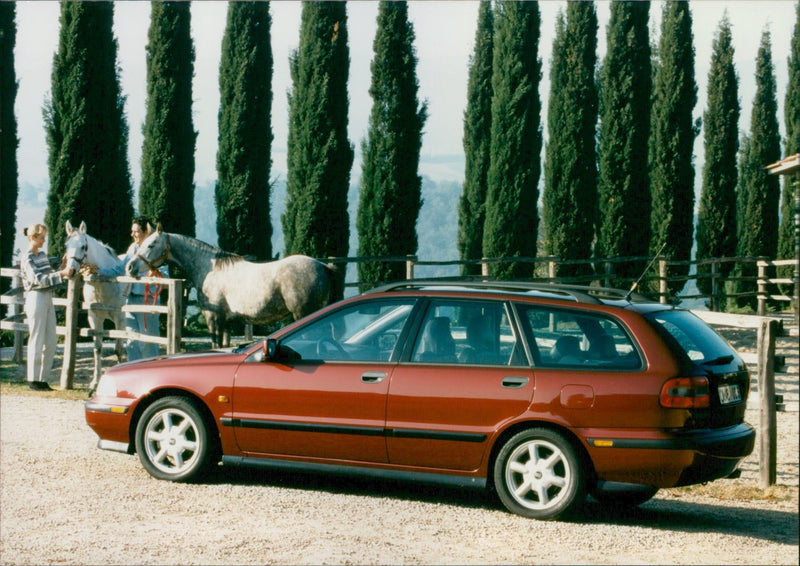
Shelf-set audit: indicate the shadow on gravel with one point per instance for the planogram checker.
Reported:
(660, 514)
(359, 485)
(664, 514)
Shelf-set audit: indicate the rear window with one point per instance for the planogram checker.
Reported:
(697, 340)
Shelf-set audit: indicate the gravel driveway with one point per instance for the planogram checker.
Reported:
(65, 501)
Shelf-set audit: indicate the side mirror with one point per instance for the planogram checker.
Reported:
(271, 349)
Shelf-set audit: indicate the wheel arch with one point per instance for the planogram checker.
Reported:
(517, 427)
(198, 402)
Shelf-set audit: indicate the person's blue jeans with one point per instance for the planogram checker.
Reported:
(143, 323)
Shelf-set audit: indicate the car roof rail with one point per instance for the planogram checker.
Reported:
(578, 293)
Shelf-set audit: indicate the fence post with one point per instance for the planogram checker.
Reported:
(16, 282)
(762, 287)
(74, 285)
(663, 290)
(609, 273)
(174, 317)
(768, 450)
(484, 267)
(714, 286)
(410, 259)
(551, 270)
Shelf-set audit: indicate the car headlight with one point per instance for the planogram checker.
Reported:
(107, 386)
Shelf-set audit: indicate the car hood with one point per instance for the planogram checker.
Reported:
(183, 358)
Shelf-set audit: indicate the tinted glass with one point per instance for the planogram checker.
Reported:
(467, 332)
(565, 338)
(697, 340)
(366, 332)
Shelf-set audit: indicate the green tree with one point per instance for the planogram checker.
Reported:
(87, 135)
(9, 141)
(320, 156)
(759, 192)
(791, 111)
(167, 191)
(477, 142)
(512, 218)
(245, 132)
(570, 171)
(624, 186)
(716, 222)
(390, 193)
(672, 136)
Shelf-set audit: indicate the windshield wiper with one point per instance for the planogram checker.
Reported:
(720, 361)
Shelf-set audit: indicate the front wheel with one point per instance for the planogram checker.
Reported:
(538, 474)
(172, 440)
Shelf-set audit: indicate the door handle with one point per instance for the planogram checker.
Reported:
(514, 382)
(373, 376)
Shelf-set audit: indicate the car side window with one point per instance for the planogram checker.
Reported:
(565, 338)
(366, 332)
(467, 332)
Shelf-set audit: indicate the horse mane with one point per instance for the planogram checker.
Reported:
(221, 257)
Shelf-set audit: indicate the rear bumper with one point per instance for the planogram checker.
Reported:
(671, 460)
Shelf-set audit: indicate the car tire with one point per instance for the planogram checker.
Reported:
(621, 495)
(538, 474)
(172, 440)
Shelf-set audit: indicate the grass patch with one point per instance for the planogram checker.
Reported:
(12, 382)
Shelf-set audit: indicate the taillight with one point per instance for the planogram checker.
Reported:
(685, 393)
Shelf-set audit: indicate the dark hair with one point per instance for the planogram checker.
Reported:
(142, 221)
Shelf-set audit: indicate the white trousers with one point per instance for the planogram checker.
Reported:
(42, 339)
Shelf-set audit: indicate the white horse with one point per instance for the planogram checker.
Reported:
(229, 287)
(82, 249)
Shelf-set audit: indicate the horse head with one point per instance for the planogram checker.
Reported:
(76, 245)
(81, 249)
(153, 253)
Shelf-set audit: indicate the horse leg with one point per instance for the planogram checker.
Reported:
(119, 346)
(213, 328)
(98, 352)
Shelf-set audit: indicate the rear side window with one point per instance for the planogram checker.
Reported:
(697, 340)
(563, 338)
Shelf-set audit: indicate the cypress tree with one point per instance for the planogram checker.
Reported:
(624, 186)
(167, 191)
(86, 131)
(512, 218)
(759, 192)
(245, 132)
(9, 142)
(390, 193)
(570, 188)
(320, 156)
(672, 138)
(477, 141)
(716, 222)
(791, 110)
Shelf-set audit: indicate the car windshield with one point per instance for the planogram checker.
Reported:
(695, 337)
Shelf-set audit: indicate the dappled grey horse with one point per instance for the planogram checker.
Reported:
(83, 249)
(231, 288)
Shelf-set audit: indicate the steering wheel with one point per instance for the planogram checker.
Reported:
(322, 349)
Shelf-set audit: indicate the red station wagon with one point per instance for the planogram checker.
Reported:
(542, 392)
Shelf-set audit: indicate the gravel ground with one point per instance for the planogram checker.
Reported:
(63, 501)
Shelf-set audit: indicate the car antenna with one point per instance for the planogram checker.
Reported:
(646, 269)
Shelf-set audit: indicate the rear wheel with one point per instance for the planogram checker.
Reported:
(172, 440)
(538, 474)
(613, 494)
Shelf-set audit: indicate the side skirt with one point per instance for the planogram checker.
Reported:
(355, 471)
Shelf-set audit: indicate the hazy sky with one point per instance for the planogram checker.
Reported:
(445, 33)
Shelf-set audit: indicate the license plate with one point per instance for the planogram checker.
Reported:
(729, 394)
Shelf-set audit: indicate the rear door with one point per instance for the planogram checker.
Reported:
(451, 394)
